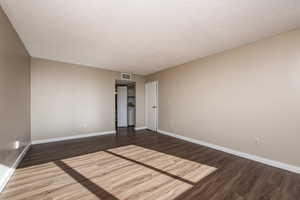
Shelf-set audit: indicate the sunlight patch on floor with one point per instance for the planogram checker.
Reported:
(183, 168)
(124, 173)
(134, 172)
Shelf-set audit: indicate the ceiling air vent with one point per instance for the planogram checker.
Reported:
(126, 76)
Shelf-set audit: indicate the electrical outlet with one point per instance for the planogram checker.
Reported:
(17, 144)
(83, 126)
(257, 140)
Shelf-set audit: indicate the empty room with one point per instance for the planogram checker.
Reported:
(150, 100)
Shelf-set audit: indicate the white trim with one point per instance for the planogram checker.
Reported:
(140, 128)
(4, 180)
(157, 104)
(72, 137)
(266, 161)
(146, 102)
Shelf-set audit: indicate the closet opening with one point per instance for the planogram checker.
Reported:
(125, 105)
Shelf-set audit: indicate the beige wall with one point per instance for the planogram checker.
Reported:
(67, 97)
(233, 97)
(14, 95)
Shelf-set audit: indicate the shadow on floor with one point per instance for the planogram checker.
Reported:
(89, 185)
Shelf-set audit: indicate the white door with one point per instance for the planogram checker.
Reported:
(122, 106)
(151, 105)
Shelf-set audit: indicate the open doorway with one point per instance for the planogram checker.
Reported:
(125, 105)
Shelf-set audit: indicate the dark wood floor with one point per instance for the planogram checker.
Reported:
(144, 165)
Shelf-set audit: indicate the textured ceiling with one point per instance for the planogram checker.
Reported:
(144, 36)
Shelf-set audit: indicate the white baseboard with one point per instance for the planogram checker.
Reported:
(72, 137)
(266, 161)
(5, 178)
(140, 128)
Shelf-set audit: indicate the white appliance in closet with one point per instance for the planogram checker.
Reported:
(122, 106)
(131, 106)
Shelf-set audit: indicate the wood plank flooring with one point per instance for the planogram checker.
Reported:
(144, 165)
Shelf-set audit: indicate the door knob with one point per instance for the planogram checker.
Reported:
(153, 106)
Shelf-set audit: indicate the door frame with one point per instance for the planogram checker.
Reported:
(157, 104)
(116, 102)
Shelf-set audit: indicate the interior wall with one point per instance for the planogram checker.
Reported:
(70, 99)
(14, 96)
(238, 98)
